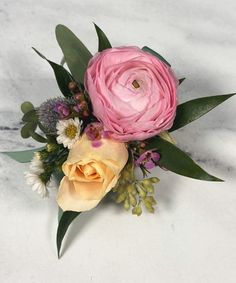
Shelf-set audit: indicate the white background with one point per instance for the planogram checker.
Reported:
(192, 236)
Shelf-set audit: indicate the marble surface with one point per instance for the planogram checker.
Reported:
(192, 236)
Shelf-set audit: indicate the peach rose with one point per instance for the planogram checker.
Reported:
(90, 173)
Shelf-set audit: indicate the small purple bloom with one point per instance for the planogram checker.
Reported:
(96, 143)
(148, 159)
(62, 109)
(77, 108)
(94, 131)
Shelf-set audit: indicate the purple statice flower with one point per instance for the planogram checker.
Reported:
(62, 109)
(96, 143)
(77, 108)
(81, 108)
(94, 131)
(148, 159)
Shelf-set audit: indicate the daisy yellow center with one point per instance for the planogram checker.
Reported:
(135, 84)
(71, 131)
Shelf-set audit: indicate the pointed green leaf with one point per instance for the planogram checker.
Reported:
(27, 106)
(181, 80)
(194, 109)
(63, 77)
(76, 54)
(22, 156)
(149, 50)
(64, 223)
(103, 42)
(175, 160)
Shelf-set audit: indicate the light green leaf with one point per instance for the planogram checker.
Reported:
(27, 106)
(149, 50)
(22, 156)
(194, 109)
(27, 129)
(76, 54)
(175, 160)
(66, 219)
(30, 116)
(63, 77)
(103, 42)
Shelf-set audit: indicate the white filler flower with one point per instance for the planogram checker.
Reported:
(33, 176)
(68, 132)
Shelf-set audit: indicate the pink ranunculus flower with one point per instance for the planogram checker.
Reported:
(133, 93)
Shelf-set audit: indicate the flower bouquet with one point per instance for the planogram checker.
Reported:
(115, 115)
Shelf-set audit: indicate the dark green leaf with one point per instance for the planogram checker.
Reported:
(30, 116)
(22, 156)
(63, 61)
(26, 106)
(103, 42)
(76, 54)
(194, 109)
(181, 80)
(60, 213)
(149, 50)
(63, 77)
(27, 129)
(175, 160)
(64, 223)
(38, 137)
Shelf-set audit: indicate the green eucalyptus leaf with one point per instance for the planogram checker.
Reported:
(63, 77)
(23, 156)
(27, 106)
(149, 50)
(76, 54)
(30, 116)
(192, 110)
(177, 161)
(38, 137)
(103, 42)
(27, 129)
(65, 220)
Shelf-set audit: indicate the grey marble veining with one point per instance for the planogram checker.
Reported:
(191, 237)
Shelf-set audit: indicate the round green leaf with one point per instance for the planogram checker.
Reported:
(26, 106)
(30, 116)
(27, 129)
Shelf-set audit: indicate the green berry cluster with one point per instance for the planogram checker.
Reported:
(135, 193)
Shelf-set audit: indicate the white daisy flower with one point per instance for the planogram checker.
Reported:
(33, 176)
(68, 132)
(33, 179)
(36, 164)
